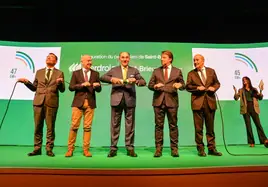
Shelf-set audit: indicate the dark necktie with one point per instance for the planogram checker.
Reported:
(203, 78)
(48, 75)
(166, 73)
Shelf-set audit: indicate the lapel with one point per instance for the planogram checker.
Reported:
(172, 73)
(119, 72)
(128, 72)
(81, 75)
(198, 77)
(53, 76)
(43, 73)
(162, 73)
(90, 75)
(243, 95)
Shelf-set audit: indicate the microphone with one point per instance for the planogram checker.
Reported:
(126, 80)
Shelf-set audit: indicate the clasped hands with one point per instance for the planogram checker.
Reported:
(175, 85)
(202, 88)
(87, 84)
(115, 80)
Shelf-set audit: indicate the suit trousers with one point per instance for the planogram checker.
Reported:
(251, 113)
(205, 114)
(116, 116)
(171, 113)
(48, 114)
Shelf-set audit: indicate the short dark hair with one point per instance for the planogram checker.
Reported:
(54, 56)
(168, 53)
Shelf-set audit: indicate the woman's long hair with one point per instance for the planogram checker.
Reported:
(249, 82)
(254, 90)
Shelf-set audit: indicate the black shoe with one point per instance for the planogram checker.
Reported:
(50, 153)
(158, 153)
(131, 153)
(112, 153)
(35, 153)
(266, 143)
(174, 154)
(202, 153)
(214, 152)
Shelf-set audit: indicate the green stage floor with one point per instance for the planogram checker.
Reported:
(16, 157)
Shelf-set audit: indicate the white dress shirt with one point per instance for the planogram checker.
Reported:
(51, 72)
(88, 73)
(203, 69)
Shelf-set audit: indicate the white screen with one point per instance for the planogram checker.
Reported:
(22, 62)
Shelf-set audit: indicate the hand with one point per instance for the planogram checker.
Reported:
(86, 84)
(131, 80)
(235, 90)
(59, 80)
(261, 85)
(115, 80)
(201, 88)
(158, 85)
(177, 85)
(23, 80)
(212, 89)
(96, 84)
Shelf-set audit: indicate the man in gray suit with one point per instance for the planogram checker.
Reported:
(47, 84)
(123, 97)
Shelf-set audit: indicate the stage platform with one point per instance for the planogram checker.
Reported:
(189, 169)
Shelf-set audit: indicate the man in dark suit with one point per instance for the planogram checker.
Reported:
(165, 82)
(202, 82)
(85, 82)
(123, 97)
(47, 84)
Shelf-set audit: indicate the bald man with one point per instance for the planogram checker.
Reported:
(123, 98)
(202, 83)
(84, 82)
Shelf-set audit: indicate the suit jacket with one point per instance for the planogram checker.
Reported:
(197, 98)
(81, 92)
(166, 92)
(47, 94)
(243, 101)
(127, 91)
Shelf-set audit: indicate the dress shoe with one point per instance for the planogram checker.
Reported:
(131, 153)
(158, 153)
(50, 153)
(112, 153)
(266, 143)
(35, 153)
(214, 152)
(69, 153)
(174, 154)
(87, 154)
(202, 153)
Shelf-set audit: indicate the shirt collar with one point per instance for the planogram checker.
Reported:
(84, 69)
(202, 69)
(122, 67)
(50, 68)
